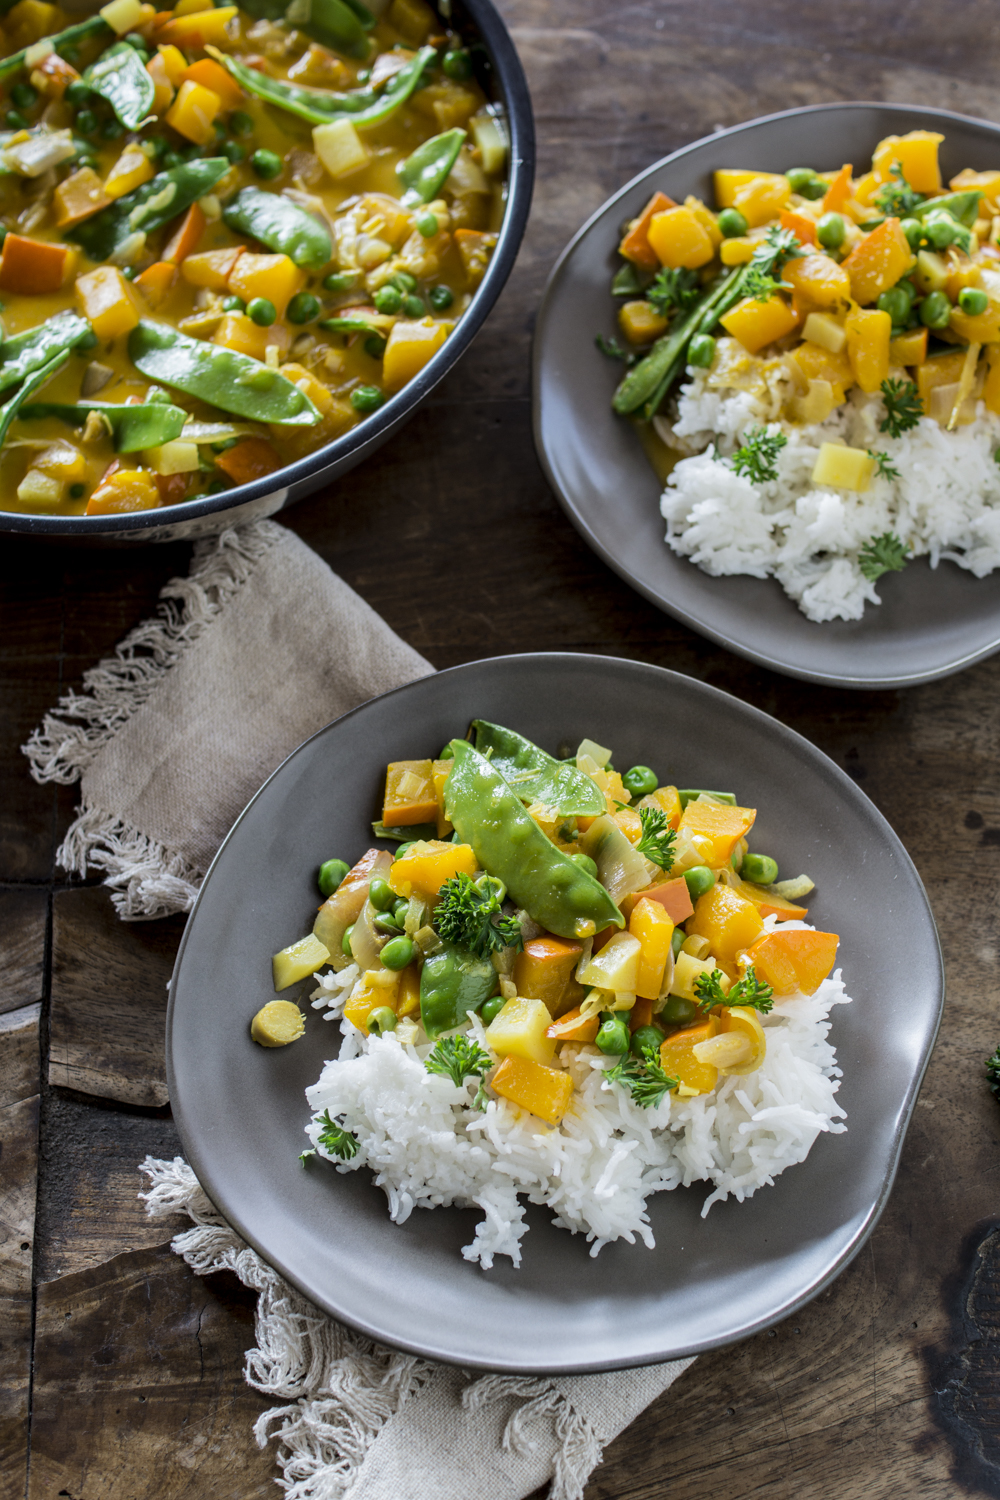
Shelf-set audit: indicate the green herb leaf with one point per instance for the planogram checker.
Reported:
(886, 468)
(657, 838)
(459, 1058)
(750, 991)
(758, 456)
(673, 291)
(897, 197)
(708, 989)
(882, 554)
(903, 407)
(335, 1139)
(645, 1078)
(771, 253)
(610, 347)
(759, 285)
(470, 915)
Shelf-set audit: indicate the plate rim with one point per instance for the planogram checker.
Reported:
(694, 622)
(197, 1159)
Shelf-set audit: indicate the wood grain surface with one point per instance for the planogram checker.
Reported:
(120, 1372)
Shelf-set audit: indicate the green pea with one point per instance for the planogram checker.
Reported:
(135, 40)
(427, 224)
(972, 300)
(935, 310)
(647, 1036)
(24, 96)
(760, 868)
(398, 953)
(381, 1020)
(447, 753)
(340, 281)
(266, 164)
(612, 1035)
(403, 849)
(457, 64)
(234, 152)
(331, 873)
(78, 93)
(345, 941)
(303, 308)
(813, 190)
(388, 299)
(170, 158)
(414, 307)
(381, 894)
(640, 781)
(914, 231)
(400, 908)
(261, 311)
(799, 176)
(112, 130)
(241, 123)
(701, 351)
(586, 863)
(440, 297)
(831, 231)
(678, 1011)
(677, 940)
(15, 121)
(732, 223)
(130, 272)
(492, 1009)
(87, 340)
(366, 398)
(940, 230)
(232, 303)
(85, 122)
(387, 925)
(896, 303)
(217, 486)
(374, 346)
(404, 281)
(698, 881)
(77, 491)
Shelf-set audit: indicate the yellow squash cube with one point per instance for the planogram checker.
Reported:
(818, 283)
(917, 154)
(204, 28)
(640, 322)
(193, 112)
(654, 929)
(108, 300)
(122, 15)
(679, 240)
(298, 961)
(984, 328)
(727, 180)
(240, 333)
(843, 468)
(737, 251)
(723, 825)
(878, 261)
(616, 967)
(175, 64)
(410, 347)
(426, 866)
(868, 336)
(728, 920)
(519, 1030)
(757, 324)
(941, 369)
(409, 793)
(762, 198)
(29, 21)
(378, 988)
(131, 169)
(909, 348)
(340, 148)
(818, 363)
(542, 1091)
(275, 277)
(211, 268)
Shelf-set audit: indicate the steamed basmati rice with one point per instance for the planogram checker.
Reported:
(429, 1147)
(944, 505)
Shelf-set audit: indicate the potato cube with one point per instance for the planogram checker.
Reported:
(176, 457)
(490, 142)
(122, 15)
(193, 112)
(108, 301)
(410, 347)
(131, 169)
(519, 1031)
(616, 967)
(819, 328)
(679, 240)
(843, 468)
(275, 277)
(545, 1092)
(340, 148)
(688, 970)
(44, 491)
(298, 961)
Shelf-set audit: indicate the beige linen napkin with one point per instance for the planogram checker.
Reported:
(260, 646)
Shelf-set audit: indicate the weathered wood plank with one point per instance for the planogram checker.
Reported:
(23, 922)
(19, 1066)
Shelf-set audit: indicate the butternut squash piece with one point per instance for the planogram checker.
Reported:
(640, 322)
(107, 299)
(379, 988)
(251, 458)
(650, 923)
(193, 112)
(729, 921)
(542, 1091)
(212, 75)
(727, 181)
(409, 991)
(237, 331)
(801, 226)
(762, 198)
(635, 245)
(769, 904)
(122, 492)
(410, 347)
(839, 191)
(34, 267)
(205, 28)
(724, 825)
(983, 328)
(409, 794)
(818, 284)
(868, 336)
(917, 154)
(672, 895)
(543, 970)
(78, 197)
(757, 324)
(164, 89)
(798, 960)
(174, 64)
(940, 369)
(679, 240)
(878, 261)
(184, 241)
(679, 1060)
(426, 866)
(212, 268)
(909, 349)
(817, 363)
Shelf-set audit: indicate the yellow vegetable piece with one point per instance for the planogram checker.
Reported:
(843, 468)
(762, 198)
(640, 322)
(544, 969)
(237, 331)
(275, 277)
(108, 300)
(121, 15)
(131, 169)
(413, 19)
(917, 154)
(340, 148)
(819, 363)
(490, 143)
(652, 926)
(378, 988)
(78, 197)
(175, 64)
(941, 369)
(737, 251)
(409, 348)
(706, 219)
(724, 826)
(728, 920)
(868, 335)
(991, 388)
(545, 1092)
(409, 794)
(123, 492)
(28, 22)
(817, 403)
(818, 284)
(426, 866)
(679, 1059)
(726, 182)
(298, 961)
(408, 1003)
(984, 328)
(211, 268)
(757, 324)
(679, 240)
(688, 970)
(205, 27)
(616, 967)
(909, 348)
(987, 182)
(739, 1045)
(878, 261)
(277, 1023)
(439, 775)
(176, 457)
(193, 112)
(519, 1030)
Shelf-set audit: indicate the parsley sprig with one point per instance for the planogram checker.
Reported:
(886, 468)
(759, 285)
(883, 554)
(993, 1074)
(903, 407)
(335, 1139)
(470, 915)
(770, 253)
(897, 197)
(645, 1077)
(610, 346)
(758, 456)
(459, 1058)
(746, 991)
(673, 290)
(657, 839)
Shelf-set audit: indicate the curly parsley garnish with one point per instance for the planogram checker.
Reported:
(746, 991)
(758, 457)
(903, 407)
(335, 1139)
(897, 197)
(759, 285)
(772, 251)
(469, 914)
(459, 1058)
(657, 839)
(610, 347)
(886, 468)
(645, 1078)
(883, 554)
(993, 1074)
(673, 290)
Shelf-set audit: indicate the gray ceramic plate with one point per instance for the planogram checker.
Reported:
(241, 1110)
(931, 622)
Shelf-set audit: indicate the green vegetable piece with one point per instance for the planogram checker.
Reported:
(424, 172)
(331, 874)
(33, 383)
(26, 352)
(240, 123)
(883, 554)
(94, 26)
(233, 304)
(626, 282)
(262, 311)
(698, 881)
(646, 1036)
(366, 398)
(409, 834)
(149, 206)
(398, 953)
(453, 982)
(732, 223)
(799, 177)
(457, 65)
(993, 1074)
(536, 776)
(345, 941)
(387, 299)
(940, 229)
(469, 913)
(644, 1077)
(701, 351)
(896, 303)
(678, 1011)
(440, 297)
(586, 863)
(222, 377)
(935, 310)
(492, 1008)
(363, 106)
(133, 428)
(760, 868)
(381, 1020)
(678, 940)
(23, 96)
(332, 23)
(119, 75)
(387, 924)
(335, 1139)
(691, 794)
(649, 380)
(913, 230)
(303, 308)
(640, 781)
(459, 1058)
(281, 225)
(612, 1035)
(266, 164)
(830, 231)
(381, 894)
(962, 206)
(488, 815)
(973, 301)
(657, 839)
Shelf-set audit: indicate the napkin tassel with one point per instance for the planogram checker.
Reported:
(579, 1451)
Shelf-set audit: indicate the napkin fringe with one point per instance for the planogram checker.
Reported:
(146, 881)
(579, 1448)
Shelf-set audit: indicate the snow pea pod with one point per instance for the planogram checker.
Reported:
(281, 225)
(652, 375)
(132, 427)
(93, 26)
(453, 982)
(536, 776)
(234, 382)
(148, 207)
(424, 172)
(332, 23)
(507, 842)
(119, 75)
(962, 206)
(361, 106)
(34, 382)
(27, 352)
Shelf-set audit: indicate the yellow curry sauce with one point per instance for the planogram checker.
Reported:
(280, 328)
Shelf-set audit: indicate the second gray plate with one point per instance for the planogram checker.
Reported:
(931, 622)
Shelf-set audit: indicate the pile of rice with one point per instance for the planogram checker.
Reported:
(945, 503)
(429, 1147)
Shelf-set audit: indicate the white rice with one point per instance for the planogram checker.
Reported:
(429, 1147)
(945, 503)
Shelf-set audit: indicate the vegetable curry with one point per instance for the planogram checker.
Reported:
(228, 235)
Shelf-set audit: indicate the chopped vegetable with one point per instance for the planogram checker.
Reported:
(469, 913)
(757, 457)
(883, 554)
(644, 1077)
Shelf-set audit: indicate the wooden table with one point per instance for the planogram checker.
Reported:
(120, 1372)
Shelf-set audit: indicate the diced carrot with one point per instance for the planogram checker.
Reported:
(602, 938)
(212, 76)
(801, 226)
(839, 190)
(635, 246)
(34, 266)
(185, 240)
(673, 896)
(155, 283)
(571, 1028)
(543, 969)
(172, 487)
(252, 458)
(122, 491)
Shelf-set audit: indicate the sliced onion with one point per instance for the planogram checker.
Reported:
(344, 907)
(621, 869)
